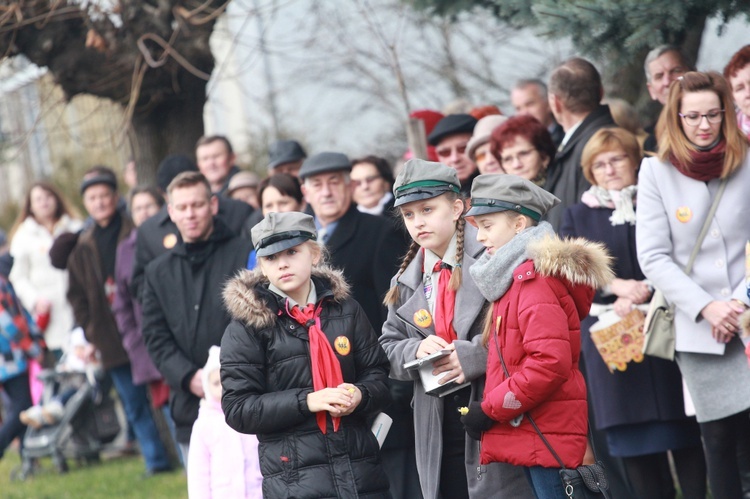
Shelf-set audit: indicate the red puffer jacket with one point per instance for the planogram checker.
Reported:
(537, 324)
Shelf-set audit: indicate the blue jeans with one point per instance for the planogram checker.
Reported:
(138, 411)
(545, 482)
(19, 397)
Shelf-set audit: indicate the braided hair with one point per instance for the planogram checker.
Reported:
(392, 296)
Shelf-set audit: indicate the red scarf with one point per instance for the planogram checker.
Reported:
(445, 303)
(704, 165)
(326, 369)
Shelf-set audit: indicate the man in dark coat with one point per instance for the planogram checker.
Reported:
(215, 158)
(182, 310)
(367, 248)
(575, 93)
(159, 234)
(91, 288)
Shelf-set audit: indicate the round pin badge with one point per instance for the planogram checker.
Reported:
(169, 241)
(422, 318)
(342, 345)
(684, 214)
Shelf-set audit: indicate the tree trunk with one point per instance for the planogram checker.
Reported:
(172, 127)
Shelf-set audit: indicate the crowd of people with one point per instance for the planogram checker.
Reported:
(268, 322)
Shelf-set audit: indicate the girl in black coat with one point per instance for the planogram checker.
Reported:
(304, 380)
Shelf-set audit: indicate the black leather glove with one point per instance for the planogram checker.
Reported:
(476, 421)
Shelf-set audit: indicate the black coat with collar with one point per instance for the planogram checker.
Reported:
(153, 235)
(183, 314)
(266, 377)
(367, 248)
(565, 177)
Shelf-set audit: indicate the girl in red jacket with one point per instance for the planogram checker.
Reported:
(541, 287)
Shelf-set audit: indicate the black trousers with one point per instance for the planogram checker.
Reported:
(453, 481)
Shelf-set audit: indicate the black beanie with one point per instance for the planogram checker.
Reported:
(170, 167)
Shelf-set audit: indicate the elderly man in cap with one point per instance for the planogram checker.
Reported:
(451, 138)
(285, 156)
(364, 246)
(91, 271)
(183, 314)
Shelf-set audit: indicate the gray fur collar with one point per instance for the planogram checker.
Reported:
(246, 295)
(577, 261)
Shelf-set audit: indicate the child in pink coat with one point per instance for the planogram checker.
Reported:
(221, 463)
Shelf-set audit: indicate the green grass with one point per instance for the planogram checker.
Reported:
(114, 478)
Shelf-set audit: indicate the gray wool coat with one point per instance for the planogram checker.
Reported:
(670, 215)
(400, 340)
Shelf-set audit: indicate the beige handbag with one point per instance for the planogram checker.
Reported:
(658, 328)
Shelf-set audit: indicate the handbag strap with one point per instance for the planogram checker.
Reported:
(706, 225)
(528, 416)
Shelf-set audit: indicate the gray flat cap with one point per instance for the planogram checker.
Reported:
(420, 179)
(324, 162)
(280, 231)
(284, 151)
(501, 192)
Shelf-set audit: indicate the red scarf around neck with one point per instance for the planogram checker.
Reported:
(445, 303)
(704, 165)
(326, 369)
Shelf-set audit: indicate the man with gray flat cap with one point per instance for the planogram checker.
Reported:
(285, 156)
(365, 247)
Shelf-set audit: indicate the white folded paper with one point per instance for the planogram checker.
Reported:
(430, 382)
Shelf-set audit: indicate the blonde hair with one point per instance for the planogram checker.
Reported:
(606, 140)
(669, 132)
(392, 297)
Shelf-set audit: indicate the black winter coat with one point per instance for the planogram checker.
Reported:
(183, 315)
(159, 234)
(565, 177)
(368, 249)
(266, 377)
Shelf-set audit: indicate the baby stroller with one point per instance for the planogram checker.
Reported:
(88, 421)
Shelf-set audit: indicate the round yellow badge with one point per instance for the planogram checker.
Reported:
(423, 318)
(684, 214)
(342, 345)
(169, 241)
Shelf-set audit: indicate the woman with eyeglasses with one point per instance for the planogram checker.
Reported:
(524, 147)
(700, 148)
(372, 178)
(737, 73)
(641, 434)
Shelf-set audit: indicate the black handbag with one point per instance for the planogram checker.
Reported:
(588, 481)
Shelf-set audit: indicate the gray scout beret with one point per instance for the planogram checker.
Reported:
(280, 231)
(501, 192)
(452, 124)
(324, 162)
(420, 179)
(284, 151)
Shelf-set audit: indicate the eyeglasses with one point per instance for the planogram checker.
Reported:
(616, 162)
(445, 152)
(365, 181)
(521, 156)
(694, 119)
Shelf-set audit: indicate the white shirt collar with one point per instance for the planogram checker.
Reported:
(569, 134)
(312, 296)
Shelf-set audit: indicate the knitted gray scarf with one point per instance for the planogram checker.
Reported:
(494, 273)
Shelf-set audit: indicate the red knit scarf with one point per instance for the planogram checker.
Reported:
(445, 303)
(326, 369)
(704, 165)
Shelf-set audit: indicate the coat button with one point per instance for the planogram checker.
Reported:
(719, 263)
(715, 233)
(726, 292)
(196, 307)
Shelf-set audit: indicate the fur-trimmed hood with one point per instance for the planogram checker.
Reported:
(248, 300)
(578, 261)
